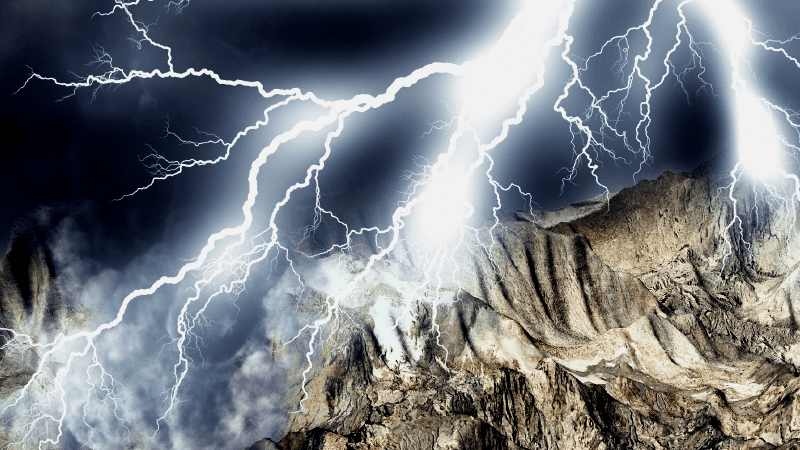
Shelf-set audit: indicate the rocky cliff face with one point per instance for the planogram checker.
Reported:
(644, 323)
(32, 308)
(635, 325)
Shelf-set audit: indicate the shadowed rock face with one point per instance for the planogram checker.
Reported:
(633, 326)
(30, 304)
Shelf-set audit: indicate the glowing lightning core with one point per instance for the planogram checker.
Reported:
(444, 207)
(757, 141)
(497, 77)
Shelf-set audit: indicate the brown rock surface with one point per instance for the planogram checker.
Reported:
(633, 326)
(32, 308)
(647, 324)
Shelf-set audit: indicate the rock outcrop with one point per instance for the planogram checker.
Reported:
(650, 323)
(32, 307)
(663, 319)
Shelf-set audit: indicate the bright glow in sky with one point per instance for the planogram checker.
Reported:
(497, 77)
(496, 87)
(445, 206)
(757, 141)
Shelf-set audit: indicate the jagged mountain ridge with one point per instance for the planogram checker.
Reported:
(569, 337)
(619, 329)
(31, 304)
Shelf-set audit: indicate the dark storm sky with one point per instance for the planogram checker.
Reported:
(78, 155)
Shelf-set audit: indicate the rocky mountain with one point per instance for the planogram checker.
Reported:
(658, 319)
(32, 307)
(644, 322)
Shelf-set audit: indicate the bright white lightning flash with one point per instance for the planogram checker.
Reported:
(439, 201)
(444, 205)
(759, 143)
(757, 140)
(438, 206)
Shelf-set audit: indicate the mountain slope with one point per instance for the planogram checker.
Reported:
(635, 326)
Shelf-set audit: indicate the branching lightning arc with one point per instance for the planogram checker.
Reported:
(434, 218)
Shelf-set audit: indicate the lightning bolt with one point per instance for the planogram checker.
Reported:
(437, 217)
(598, 129)
(762, 148)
